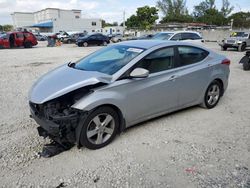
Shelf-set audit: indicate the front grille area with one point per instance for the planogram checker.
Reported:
(230, 41)
(36, 108)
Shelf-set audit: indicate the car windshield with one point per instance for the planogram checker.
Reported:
(238, 34)
(3, 36)
(162, 36)
(109, 60)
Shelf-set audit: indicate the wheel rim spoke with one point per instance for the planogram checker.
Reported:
(92, 133)
(210, 99)
(108, 130)
(107, 120)
(97, 121)
(99, 138)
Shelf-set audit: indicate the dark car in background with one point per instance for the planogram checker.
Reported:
(17, 39)
(94, 39)
(73, 38)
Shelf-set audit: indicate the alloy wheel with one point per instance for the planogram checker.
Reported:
(213, 94)
(100, 128)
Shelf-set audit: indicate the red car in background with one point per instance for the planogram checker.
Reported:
(17, 39)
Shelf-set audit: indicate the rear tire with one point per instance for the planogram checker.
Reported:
(246, 65)
(212, 95)
(85, 44)
(105, 43)
(27, 45)
(100, 128)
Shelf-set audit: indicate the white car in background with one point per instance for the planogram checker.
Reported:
(189, 36)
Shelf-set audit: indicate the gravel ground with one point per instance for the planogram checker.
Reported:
(190, 148)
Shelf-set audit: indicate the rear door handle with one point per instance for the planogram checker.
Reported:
(172, 78)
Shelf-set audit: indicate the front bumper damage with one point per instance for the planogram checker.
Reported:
(59, 127)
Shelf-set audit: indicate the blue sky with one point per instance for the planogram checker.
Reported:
(109, 10)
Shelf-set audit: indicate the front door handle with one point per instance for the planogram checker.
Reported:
(172, 78)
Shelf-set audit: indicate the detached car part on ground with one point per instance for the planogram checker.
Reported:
(238, 40)
(17, 39)
(245, 61)
(88, 102)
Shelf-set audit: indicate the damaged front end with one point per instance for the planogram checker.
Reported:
(52, 96)
(58, 121)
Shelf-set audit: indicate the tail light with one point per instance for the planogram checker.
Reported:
(226, 62)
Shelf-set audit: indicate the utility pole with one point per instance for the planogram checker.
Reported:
(124, 19)
(123, 23)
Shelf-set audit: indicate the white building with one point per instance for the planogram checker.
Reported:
(55, 20)
(113, 30)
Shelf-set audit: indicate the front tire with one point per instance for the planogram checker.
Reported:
(223, 48)
(212, 95)
(100, 128)
(242, 47)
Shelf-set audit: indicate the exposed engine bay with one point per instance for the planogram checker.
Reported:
(58, 121)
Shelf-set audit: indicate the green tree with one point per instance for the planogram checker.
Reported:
(144, 19)
(174, 11)
(105, 24)
(206, 12)
(1, 28)
(200, 10)
(7, 27)
(212, 17)
(226, 8)
(241, 19)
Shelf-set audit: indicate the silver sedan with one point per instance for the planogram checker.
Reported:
(89, 101)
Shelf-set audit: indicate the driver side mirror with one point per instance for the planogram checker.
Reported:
(139, 73)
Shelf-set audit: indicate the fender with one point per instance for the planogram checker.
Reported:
(90, 102)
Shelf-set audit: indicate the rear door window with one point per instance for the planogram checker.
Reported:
(189, 55)
(190, 36)
(159, 60)
(177, 37)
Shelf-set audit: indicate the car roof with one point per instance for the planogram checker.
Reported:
(147, 44)
(175, 32)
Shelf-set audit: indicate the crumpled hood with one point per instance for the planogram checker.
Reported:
(63, 80)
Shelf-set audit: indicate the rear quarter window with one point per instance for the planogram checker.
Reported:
(189, 55)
